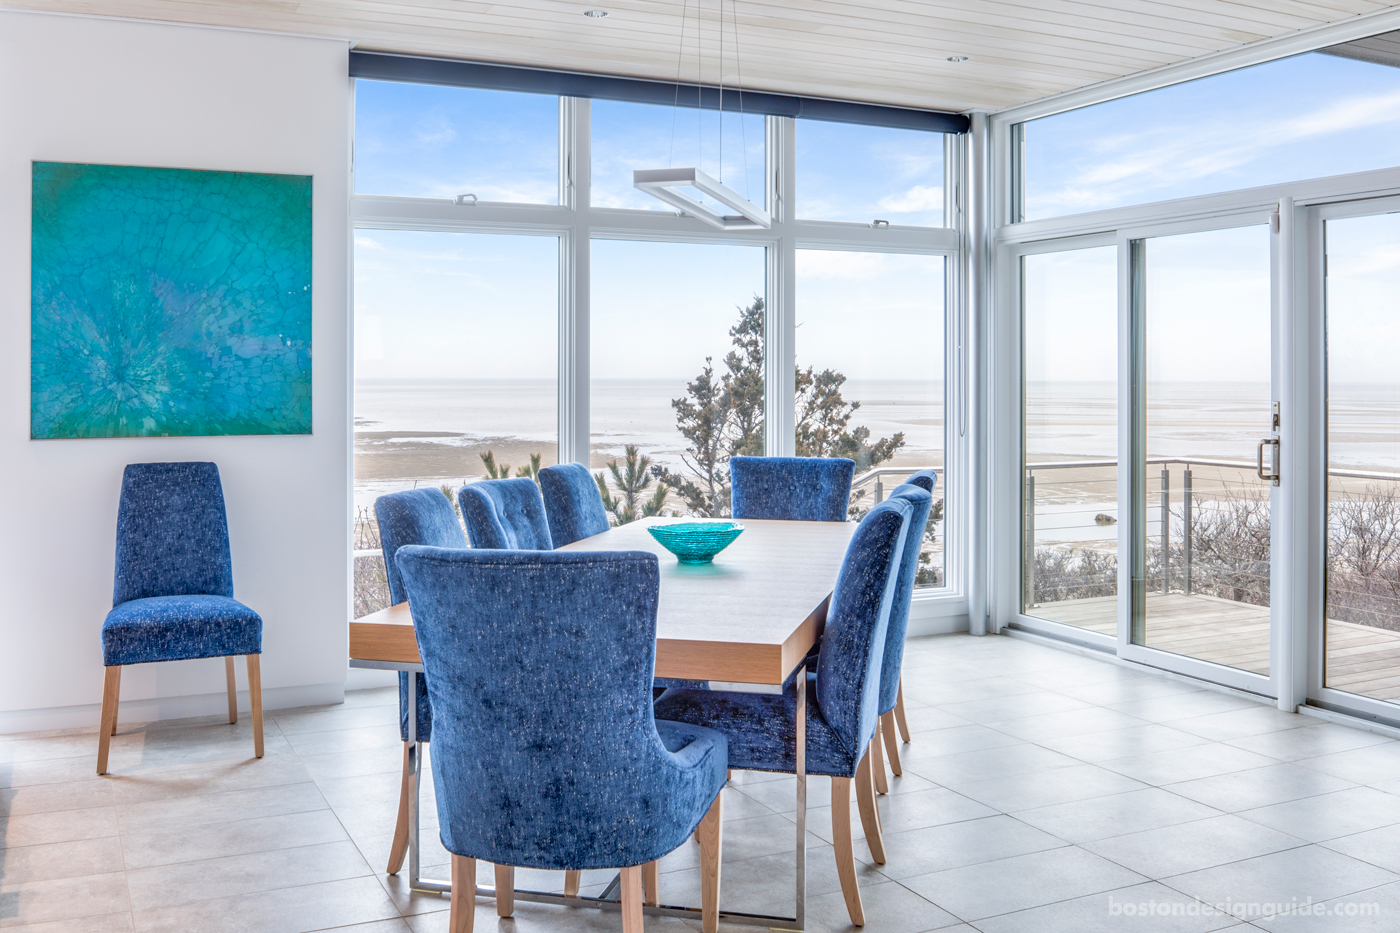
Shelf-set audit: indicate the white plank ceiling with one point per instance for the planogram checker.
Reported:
(882, 51)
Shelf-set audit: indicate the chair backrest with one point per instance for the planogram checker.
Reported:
(924, 479)
(903, 591)
(414, 516)
(572, 503)
(808, 489)
(853, 643)
(545, 751)
(505, 513)
(172, 533)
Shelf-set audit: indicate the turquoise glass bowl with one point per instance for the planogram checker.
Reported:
(696, 542)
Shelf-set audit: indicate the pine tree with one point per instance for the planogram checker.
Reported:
(722, 417)
(631, 481)
(492, 470)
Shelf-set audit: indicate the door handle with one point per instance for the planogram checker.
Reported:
(1272, 476)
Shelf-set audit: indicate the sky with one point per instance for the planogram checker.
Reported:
(657, 308)
(1308, 116)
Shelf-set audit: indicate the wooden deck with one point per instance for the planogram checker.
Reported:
(1360, 659)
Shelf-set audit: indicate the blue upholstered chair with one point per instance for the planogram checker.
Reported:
(807, 489)
(924, 479)
(842, 709)
(546, 753)
(172, 598)
(506, 514)
(572, 503)
(891, 683)
(575, 511)
(415, 516)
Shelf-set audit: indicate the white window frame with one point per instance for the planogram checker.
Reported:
(575, 222)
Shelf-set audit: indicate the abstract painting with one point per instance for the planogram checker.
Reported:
(169, 302)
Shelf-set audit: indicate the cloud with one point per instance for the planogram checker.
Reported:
(917, 198)
(1249, 136)
(364, 242)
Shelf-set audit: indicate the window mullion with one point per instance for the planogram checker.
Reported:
(780, 360)
(574, 281)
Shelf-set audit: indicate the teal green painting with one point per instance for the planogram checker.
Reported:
(169, 302)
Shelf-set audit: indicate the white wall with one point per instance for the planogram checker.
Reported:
(76, 89)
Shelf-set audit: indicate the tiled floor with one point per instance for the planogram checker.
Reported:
(1043, 792)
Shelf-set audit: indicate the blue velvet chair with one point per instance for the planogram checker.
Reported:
(924, 479)
(415, 516)
(806, 489)
(843, 707)
(575, 511)
(172, 597)
(572, 503)
(546, 753)
(891, 683)
(506, 514)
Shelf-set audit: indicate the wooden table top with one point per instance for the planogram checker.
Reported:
(748, 617)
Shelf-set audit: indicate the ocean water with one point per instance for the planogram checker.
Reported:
(417, 432)
(1197, 420)
(433, 431)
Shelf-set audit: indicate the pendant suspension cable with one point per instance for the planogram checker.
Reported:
(676, 105)
(720, 23)
(739, 76)
(699, 83)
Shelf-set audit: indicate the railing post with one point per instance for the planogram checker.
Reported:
(1166, 531)
(879, 489)
(1028, 537)
(1186, 531)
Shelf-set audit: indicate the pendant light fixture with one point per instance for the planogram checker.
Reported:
(675, 185)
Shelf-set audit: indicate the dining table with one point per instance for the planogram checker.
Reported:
(744, 621)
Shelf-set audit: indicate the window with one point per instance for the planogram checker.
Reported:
(423, 141)
(678, 381)
(870, 374)
(1322, 113)
(587, 334)
(456, 364)
(864, 173)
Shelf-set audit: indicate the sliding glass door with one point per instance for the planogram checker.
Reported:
(1361, 305)
(1203, 452)
(1146, 493)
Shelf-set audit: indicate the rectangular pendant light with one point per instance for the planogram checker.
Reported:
(665, 183)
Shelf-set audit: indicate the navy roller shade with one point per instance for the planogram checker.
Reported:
(387, 66)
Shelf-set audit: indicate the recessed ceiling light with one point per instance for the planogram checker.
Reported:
(595, 14)
(957, 58)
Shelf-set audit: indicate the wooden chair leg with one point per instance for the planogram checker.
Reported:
(631, 899)
(399, 848)
(887, 729)
(845, 853)
(571, 881)
(651, 884)
(111, 692)
(877, 762)
(232, 689)
(710, 836)
(869, 812)
(255, 696)
(899, 713)
(505, 890)
(463, 899)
